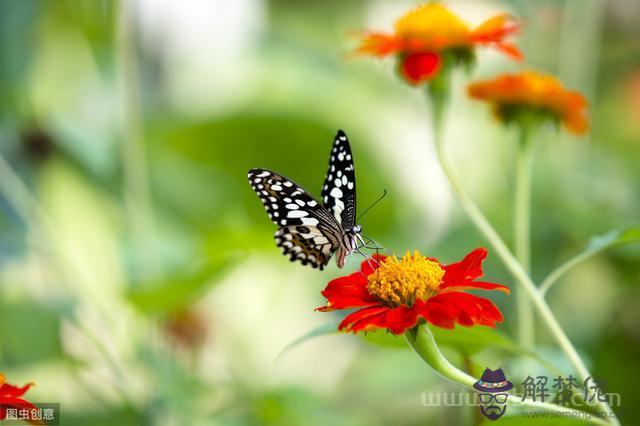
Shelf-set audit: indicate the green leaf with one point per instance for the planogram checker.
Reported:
(597, 244)
(178, 291)
(471, 340)
(323, 330)
(614, 238)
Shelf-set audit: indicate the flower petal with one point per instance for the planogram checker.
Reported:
(464, 271)
(361, 317)
(18, 404)
(511, 50)
(420, 67)
(380, 44)
(7, 390)
(462, 308)
(495, 29)
(438, 313)
(575, 117)
(397, 320)
(347, 292)
(479, 285)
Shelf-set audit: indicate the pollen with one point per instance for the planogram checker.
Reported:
(434, 23)
(404, 281)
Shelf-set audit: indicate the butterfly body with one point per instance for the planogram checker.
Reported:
(309, 231)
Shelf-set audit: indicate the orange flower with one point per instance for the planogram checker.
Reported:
(531, 94)
(396, 294)
(423, 35)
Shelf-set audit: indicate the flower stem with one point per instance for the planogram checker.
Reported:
(554, 276)
(137, 195)
(421, 340)
(522, 234)
(439, 102)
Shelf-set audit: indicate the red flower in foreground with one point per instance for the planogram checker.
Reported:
(10, 397)
(425, 34)
(396, 293)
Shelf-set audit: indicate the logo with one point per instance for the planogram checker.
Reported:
(493, 387)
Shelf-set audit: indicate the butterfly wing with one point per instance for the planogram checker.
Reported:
(308, 231)
(339, 189)
(307, 244)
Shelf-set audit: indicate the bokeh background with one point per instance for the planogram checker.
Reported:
(139, 280)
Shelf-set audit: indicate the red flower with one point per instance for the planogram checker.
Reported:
(396, 294)
(10, 397)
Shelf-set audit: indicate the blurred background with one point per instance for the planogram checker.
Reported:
(139, 279)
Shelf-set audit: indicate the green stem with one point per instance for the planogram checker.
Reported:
(439, 102)
(137, 193)
(17, 193)
(557, 273)
(421, 340)
(522, 234)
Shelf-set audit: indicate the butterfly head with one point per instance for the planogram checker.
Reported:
(355, 230)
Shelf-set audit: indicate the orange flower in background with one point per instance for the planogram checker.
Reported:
(533, 94)
(395, 294)
(422, 36)
(11, 397)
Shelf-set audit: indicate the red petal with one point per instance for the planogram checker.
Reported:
(400, 319)
(17, 403)
(438, 313)
(463, 308)
(360, 315)
(466, 270)
(419, 67)
(396, 320)
(347, 292)
(7, 390)
(471, 285)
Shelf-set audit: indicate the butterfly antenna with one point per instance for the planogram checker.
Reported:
(372, 205)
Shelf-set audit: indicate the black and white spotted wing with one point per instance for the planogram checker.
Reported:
(308, 231)
(339, 189)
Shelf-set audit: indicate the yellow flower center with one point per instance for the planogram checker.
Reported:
(434, 24)
(404, 281)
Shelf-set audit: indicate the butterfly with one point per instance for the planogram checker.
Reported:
(310, 231)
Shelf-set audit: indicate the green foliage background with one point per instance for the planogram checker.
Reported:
(144, 287)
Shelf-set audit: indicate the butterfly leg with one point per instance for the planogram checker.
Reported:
(363, 244)
(367, 259)
(377, 246)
